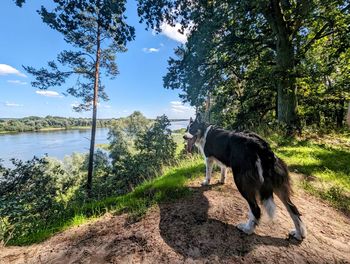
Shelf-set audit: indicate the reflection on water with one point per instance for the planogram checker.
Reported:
(56, 144)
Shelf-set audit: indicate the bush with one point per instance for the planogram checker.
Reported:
(28, 196)
(152, 149)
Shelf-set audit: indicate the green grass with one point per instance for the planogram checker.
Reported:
(325, 166)
(171, 185)
(178, 138)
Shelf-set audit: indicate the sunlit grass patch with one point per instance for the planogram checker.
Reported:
(326, 167)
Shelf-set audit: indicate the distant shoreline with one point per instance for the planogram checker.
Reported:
(47, 129)
(52, 129)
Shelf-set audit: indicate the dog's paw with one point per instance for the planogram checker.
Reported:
(205, 183)
(245, 228)
(220, 182)
(296, 235)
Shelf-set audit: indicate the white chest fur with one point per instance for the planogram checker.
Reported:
(201, 142)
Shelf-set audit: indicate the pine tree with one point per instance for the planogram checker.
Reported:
(97, 30)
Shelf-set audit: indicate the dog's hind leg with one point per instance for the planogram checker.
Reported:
(253, 219)
(209, 162)
(282, 189)
(299, 232)
(248, 191)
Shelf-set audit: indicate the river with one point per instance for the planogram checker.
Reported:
(56, 144)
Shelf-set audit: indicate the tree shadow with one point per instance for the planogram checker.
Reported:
(186, 228)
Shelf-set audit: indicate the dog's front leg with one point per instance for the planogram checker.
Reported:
(209, 162)
(223, 174)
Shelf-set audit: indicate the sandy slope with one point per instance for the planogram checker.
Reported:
(198, 229)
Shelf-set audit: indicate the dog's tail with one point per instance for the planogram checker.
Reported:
(277, 181)
(282, 188)
(282, 185)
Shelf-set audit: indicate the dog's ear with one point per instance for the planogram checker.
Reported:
(191, 120)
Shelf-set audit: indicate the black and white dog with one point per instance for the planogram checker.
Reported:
(257, 171)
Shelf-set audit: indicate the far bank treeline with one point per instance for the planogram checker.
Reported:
(35, 123)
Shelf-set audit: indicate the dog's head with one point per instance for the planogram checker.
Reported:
(194, 132)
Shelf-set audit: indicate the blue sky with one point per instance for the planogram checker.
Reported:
(25, 40)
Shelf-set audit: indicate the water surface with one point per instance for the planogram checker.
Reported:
(57, 143)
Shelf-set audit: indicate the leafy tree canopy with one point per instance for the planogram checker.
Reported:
(251, 55)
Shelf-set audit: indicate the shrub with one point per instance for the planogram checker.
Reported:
(152, 149)
(28, 196)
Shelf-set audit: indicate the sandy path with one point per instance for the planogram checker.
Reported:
(198, 229)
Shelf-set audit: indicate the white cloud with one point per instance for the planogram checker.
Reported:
(48, 93)
(17, 82)
(150, 50)
(173, 32)
(8, 104)
(179, 107)
(7, 70)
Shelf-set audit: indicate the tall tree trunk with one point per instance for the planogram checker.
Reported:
(340, 113)
(348, 116)
(208, 107)
(94, 115)
(285, 65)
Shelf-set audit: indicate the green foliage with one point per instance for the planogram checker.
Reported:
(157, 142)
(169, 186)
(134, 124)
(98, 30)
(141, 154)
(19, 2)
(28, 196)
(253, 59)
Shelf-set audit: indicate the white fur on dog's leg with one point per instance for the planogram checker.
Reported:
(223, 175)
(205, 182)
(209, 162)
(270, 207)
(248, 227)
(295, 234)
(299, 234)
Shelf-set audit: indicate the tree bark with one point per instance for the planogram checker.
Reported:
(94, 115)
(340, 113)
(285, 65)
(348, 116)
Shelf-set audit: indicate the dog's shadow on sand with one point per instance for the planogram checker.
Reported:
(186, 227)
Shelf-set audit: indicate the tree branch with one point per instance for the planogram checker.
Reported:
(317, 36)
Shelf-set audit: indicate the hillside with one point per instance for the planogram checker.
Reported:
(199, 228)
